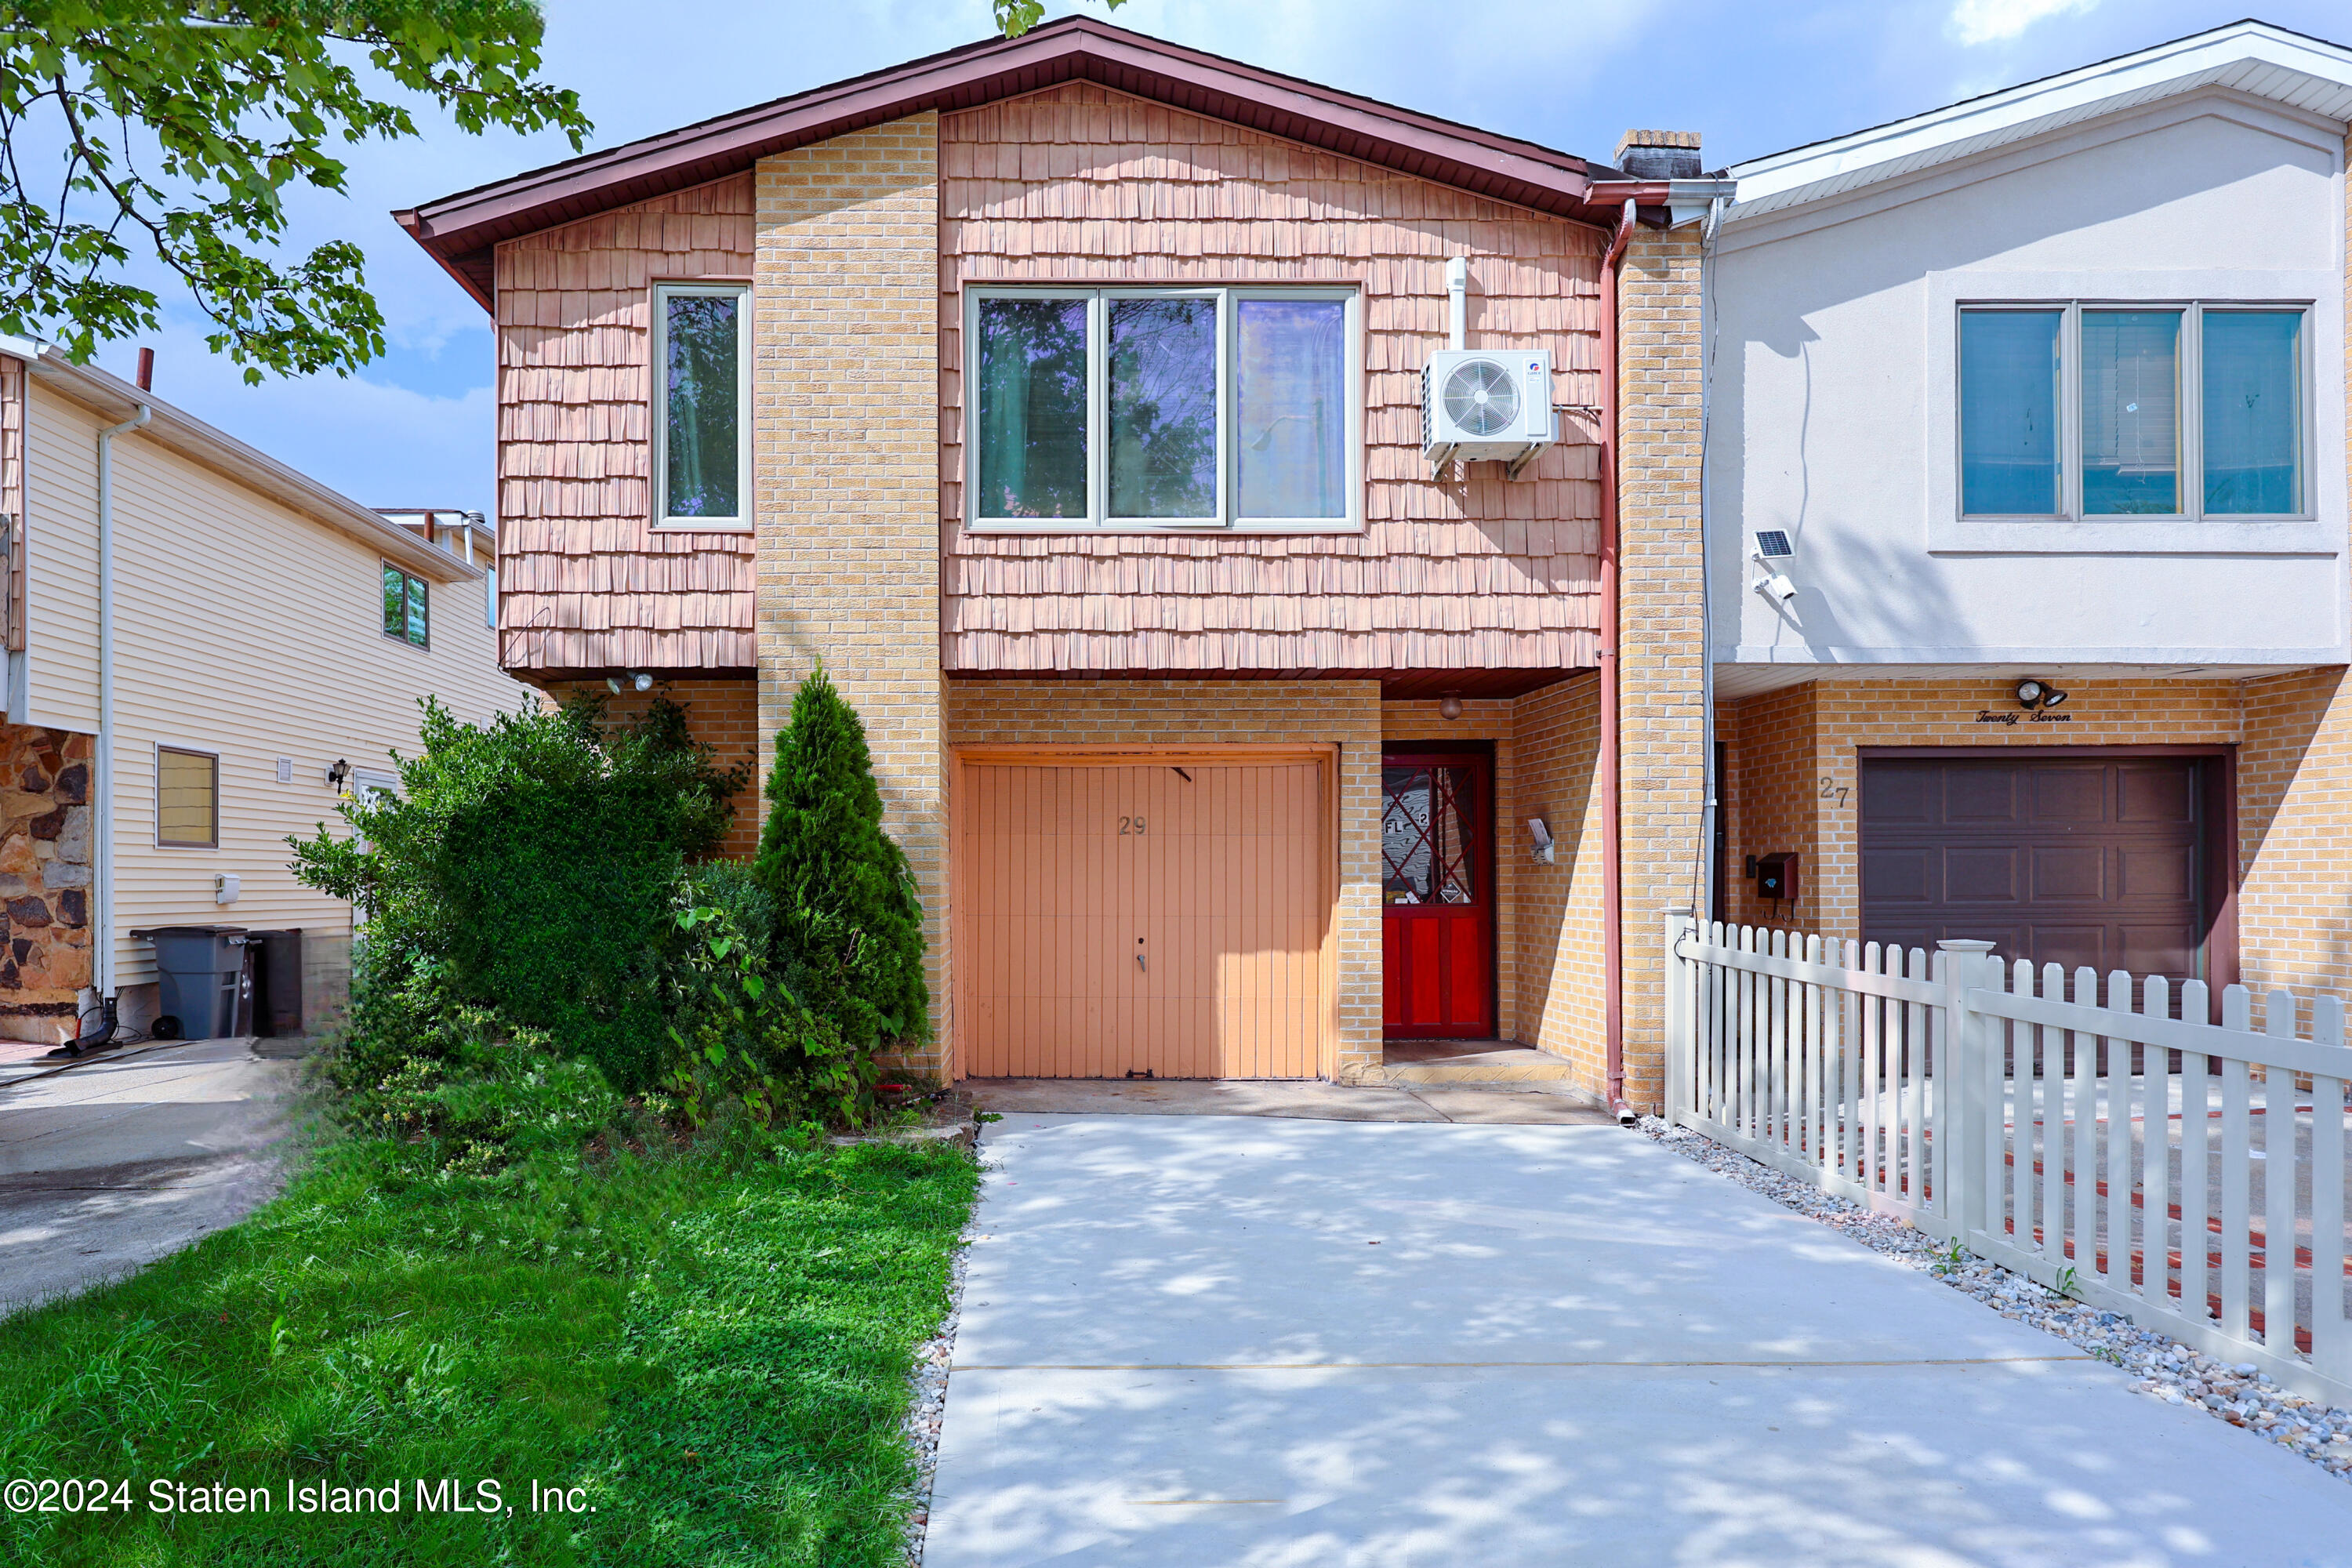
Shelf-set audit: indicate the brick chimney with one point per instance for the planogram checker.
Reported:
(1659, 154)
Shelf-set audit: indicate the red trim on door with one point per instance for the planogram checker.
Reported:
(1437, 895)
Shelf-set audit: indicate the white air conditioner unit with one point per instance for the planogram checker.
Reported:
(1487, 406)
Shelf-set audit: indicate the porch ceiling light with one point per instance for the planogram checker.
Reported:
(1449, 706)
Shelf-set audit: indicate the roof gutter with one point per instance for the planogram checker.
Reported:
(110, 396)
(1612, 899)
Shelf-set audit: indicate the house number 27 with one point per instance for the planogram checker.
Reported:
(1832, 790)
(1130, 824)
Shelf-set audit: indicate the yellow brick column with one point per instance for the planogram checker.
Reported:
(1662, 732)
(846, 391)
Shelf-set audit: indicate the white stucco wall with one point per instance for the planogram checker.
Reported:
(1833, 331)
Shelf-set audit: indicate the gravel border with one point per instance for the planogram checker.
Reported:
(928, 1382)
(2166, 1369)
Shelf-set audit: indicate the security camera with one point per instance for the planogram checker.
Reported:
(1772, 544)
(1776, 584)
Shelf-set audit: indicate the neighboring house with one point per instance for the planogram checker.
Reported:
(1064, 396)
(2047, 386)
(238, 631)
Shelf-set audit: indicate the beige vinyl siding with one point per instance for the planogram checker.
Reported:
(246, 629)
(61, 564)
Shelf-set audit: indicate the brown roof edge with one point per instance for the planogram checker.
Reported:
(459, 230)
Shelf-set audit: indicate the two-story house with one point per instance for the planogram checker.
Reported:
(203, 648)
(2026, 509)
(1065, 397)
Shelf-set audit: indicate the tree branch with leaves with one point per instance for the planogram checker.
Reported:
(178, 127)
(1014, 18)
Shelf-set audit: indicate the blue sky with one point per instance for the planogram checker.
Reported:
(415, 428)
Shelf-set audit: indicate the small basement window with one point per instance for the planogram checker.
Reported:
(1164, 409)
(702, 400)
(406, 613)
(187, 799)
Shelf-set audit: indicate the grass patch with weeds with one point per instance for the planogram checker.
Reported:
(712, 1346)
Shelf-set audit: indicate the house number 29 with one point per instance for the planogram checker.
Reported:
(1832, 790)
(1130, 824)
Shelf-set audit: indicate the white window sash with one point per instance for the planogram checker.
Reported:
(2190, 368)
(1226, 519)
(745, 518)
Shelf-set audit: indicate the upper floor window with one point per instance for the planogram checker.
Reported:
(2191, 411)
(407, 613)
(1153, 408)
(702, 400)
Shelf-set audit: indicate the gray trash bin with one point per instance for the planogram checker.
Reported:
(204, 979)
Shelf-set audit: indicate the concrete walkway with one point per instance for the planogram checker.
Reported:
(1192, 1340)
(128, 1157)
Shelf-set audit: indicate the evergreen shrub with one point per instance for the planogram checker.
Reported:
(848, 922)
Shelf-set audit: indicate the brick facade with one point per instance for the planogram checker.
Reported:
(846, 468)
(44, 880)
(1793, 778)
(1661, 640)
(1557, 747)
(1347, 713)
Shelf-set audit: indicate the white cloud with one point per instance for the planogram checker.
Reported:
(1998, 21)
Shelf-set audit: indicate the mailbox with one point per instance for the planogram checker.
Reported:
(1776, 877)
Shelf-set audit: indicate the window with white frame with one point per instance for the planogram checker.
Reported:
(702, 405)
(2086, 410)
(1157, 408)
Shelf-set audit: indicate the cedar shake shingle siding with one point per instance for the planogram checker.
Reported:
(1079, 183)
(585, 581)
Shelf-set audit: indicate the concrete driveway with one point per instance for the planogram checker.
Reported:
(116, 1161)
(1198, 1340)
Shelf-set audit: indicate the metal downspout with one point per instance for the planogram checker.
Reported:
(102, 918)
(1612, 814)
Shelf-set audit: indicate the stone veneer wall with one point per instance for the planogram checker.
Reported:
(846, 393)
(44, 880)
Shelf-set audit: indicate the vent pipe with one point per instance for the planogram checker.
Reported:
(1458, 302)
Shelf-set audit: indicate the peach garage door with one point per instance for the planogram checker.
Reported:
(1124, 917)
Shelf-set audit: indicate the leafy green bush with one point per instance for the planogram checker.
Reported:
(849, 924)
(527, 868)
(741, 1027)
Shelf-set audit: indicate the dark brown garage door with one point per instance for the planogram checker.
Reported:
(2061, 860)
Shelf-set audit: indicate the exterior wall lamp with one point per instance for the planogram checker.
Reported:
(2032, 694)
(1449, 706)
(338, 775)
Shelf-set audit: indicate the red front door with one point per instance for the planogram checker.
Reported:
(1437, 899)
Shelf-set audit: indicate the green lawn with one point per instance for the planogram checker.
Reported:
(707, 1353)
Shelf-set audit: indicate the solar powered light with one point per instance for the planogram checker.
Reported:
(1772, 544)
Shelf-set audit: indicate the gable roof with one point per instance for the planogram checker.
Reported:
(2252, 57)
(460, 230)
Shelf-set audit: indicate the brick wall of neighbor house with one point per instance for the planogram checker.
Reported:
(1768, 805)
(723, 715)
(1488, 720)
(585, 581)
(1205, 712)
(1797, 780)
(846, 477)
(1556, 739)
(2295, 824)
(1660, 637)
(44, 879)
(1081, 184)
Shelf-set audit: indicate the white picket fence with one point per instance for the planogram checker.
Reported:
(2098, 1135)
